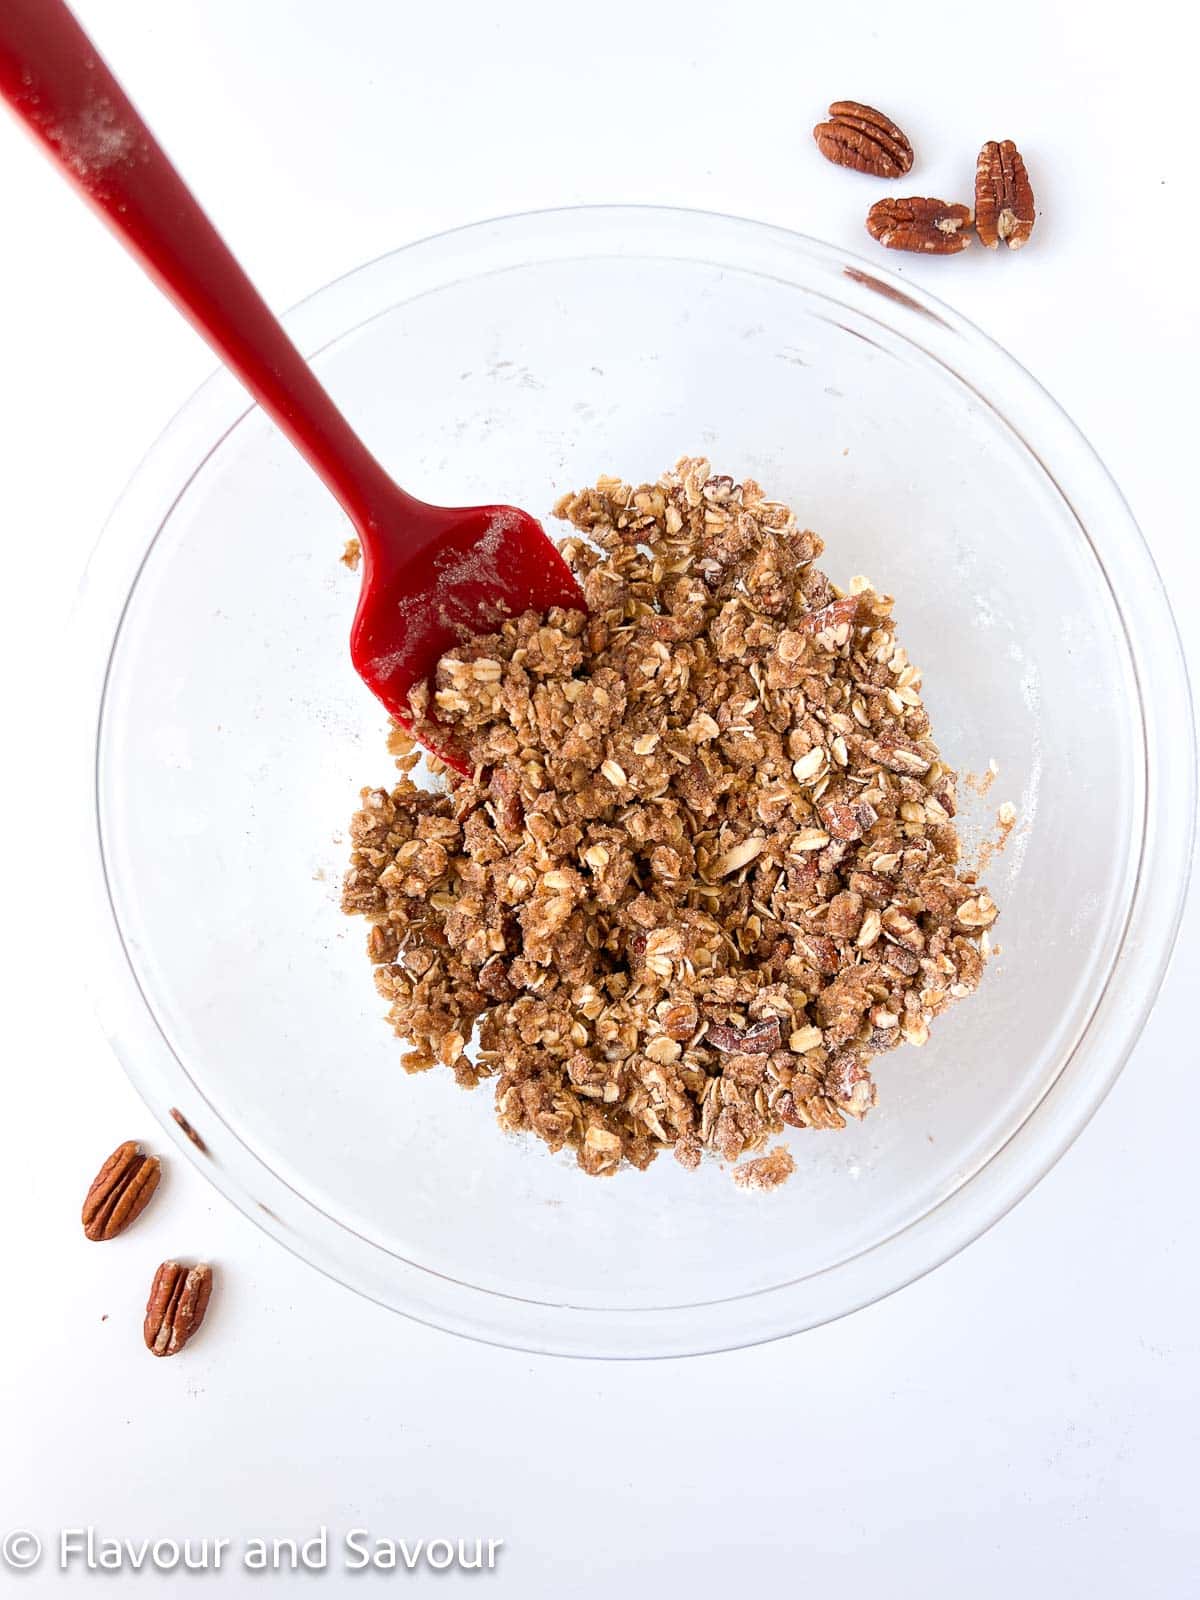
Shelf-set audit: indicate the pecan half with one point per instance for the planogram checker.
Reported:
(1003, 196)
(178, 1300)
(120, 1191)
(931, 226)
(863, 139)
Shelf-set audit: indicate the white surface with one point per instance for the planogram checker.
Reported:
(1025, 1416)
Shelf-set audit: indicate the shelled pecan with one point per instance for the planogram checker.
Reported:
(863, 139)
(1003, 196)
(934, 227)
(120, 1191)
(178, 1300)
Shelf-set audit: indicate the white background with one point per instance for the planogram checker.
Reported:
(1024, 1418)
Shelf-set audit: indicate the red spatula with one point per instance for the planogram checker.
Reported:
(430, 573)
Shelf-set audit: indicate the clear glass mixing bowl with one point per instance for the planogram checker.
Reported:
(509, 361)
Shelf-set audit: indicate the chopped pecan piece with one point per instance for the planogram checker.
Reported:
(681, 1021)
(788, 1113)
(757, 1040)
(902, 960)
(834, 615)
(383, 944)
(897, 756)
(846, 819)
(505, 789)
(876, 890)
(821, 951)
(845, 915)
(849, 1082)
(493, 979)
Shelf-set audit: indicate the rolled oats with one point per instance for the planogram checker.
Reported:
(704, 869)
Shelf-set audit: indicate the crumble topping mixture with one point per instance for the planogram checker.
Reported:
(705, 868)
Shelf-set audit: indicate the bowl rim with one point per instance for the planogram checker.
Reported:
(1090, 1066)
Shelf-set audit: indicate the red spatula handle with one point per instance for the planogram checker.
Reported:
(54, 79)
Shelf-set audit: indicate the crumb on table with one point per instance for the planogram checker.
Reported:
(766, 1172)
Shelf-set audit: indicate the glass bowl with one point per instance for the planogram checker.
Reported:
(510, 361)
